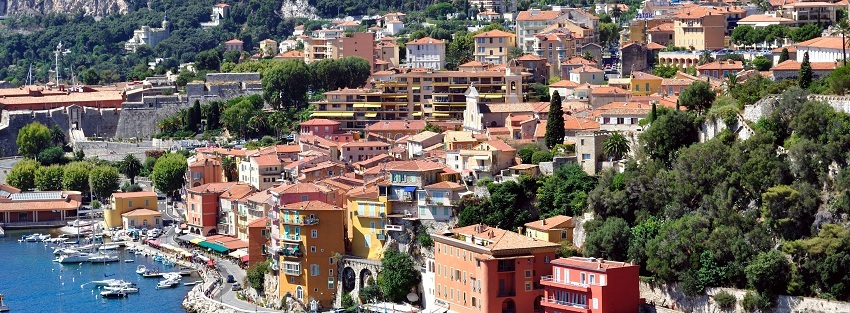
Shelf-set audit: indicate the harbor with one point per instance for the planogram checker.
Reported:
(33, 282)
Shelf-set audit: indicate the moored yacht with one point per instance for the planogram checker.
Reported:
(73, 258)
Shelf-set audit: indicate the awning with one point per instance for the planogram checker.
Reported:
(332, 114)
(366, 105)
(239, 253)
(196, 240)
(245, 258)
(371, 114)
(215, 247)
(396, 96)
(480, 157)
(492, 96)
(166, 246)
(415, 87)
(440, 114)
(416, 114)
(409, 188)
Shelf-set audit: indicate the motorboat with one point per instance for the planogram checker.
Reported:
(129, 261)
(104, 258)
(60, 251)
(168, 283)
(31, 238)
(107, 282)
(42, 238)
(141, 269)
(113, 294)
(73, 258)
(125, 289)
(109, 246)
(3, 306)
(193, 283)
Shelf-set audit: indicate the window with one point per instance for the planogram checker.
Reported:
(546, 259)
(563, 234)
(583, 278)
(585, 156)
(314, 233)
(527, 286)
(331, 272)
(592, 279)
(647, 87)
(527, 273)
(304, 198)
(330, 283)
(146, 203)
(312, 248)
(130, 203)
(314, 269)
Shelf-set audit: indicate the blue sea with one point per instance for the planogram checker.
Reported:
(31, 282)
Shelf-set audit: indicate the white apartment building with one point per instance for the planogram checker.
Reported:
(531, 22)
(426, 52)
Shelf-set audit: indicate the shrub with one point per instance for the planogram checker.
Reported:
(567, 250)
(541, 156)
(725, 300)
(348, 302)
(755, 301)
(425, 240)
(525, 155)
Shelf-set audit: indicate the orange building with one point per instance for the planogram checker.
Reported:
(487, 269)
(37, 98)
(591, 285)
(258, 237)
(204, 169)
(311, 233)
(202, 207)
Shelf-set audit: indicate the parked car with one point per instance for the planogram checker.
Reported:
(230, 279)
(235, 287)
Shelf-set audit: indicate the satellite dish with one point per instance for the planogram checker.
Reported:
(412, 297)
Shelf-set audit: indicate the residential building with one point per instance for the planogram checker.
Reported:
(437, 201)
(427, 53)
(123, 202)
(327, 129)
(538, 67)
(602, 95)
(252, 208)
(573, 125)
(369, 211)
(323, 170)
(699, 28)
(388, 51)
(555, 229)
(790, 69)
(20, 208)
(148, 36)
(721, 69)
(587, 75)
(814, 12)
(621, 116)
(565, 88)
(490, 270)
(233, 45)
(311, 234)
(388, 131)
(792, 54)
(764, 20)
(639, 30)
(497, 6)
(417, 144)
(645, 84)
(357, 151)
(674, 86)
(574, 63)
(485, 160)
(268, 48)
(531, 22)
(202, 207)
(229, 209)
(259, 233)
(260, 171)
(356, 45)
(72, 98)
(300, 192)
(456, 140)
(589, 150)
(141, 219)
(821, 49)
(220, 11)
(591, 285)
(203, 169)
(661, 34)
(493, 46)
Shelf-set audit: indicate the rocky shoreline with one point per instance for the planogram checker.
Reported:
(195, 302)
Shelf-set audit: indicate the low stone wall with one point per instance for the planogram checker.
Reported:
(670, 297)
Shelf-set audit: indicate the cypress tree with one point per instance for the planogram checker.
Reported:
(805, 73)
(654, 113)
(784, 55)
(555, 122)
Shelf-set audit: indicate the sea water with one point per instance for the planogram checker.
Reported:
(31, 282)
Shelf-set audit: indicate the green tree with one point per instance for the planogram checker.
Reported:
(672, 130)
(697, 97)
(608, 239)
(76, 176)
(432, 128)
(616, 146)
(213, 116)
(354, 70)
(168, 173)
(193, 117)
(104, 181)
(229, 167)
(541, 156)
(805, 79)
(236, 117)
(208, 60)
(49, 177)
(565, 192)
(783, 56)
(79, 155)
(22, 174)
(665, 71)
(32, 139)
(57, 136)
(256, 275)
(398, 275)
(806, 32)
(459, 50)
(762, 63)
(839, 80)
(555, 122)
(52, 155)
(286, 84)
(130, 166)
(525, 155)
(769, 272)
(676, 245)
(90, 77)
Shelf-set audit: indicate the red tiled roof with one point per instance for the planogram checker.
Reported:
(586, 69)
(500, 239)
(552, 222)
(426, 40)
(606, 90)
(494, 33)
(564, 83)
(259, 223)
(590, 264)
(237, 192)
(666, 27)
(500, 145)
(540, 16)
(138, 194)
(212, 187)
(821, 42)
(300, 188)
(391, 125)
(791, 65)
(311, 206)
(142, 212)
(365, 144)
(642, 75)
(445, 185)
(722, 65)
(266, 160)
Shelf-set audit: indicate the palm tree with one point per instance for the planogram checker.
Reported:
(615, 146)
(228, 166)
(705, 57)
(616, 13)
(130, 167)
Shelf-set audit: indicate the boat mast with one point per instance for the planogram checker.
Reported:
(56, 61)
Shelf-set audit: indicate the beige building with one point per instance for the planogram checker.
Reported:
(589, 150)
(531, 22)
(233, 45)
(123, 202)
(486, 160)
(494, 46)
(142, 218)
(426, 52)
(260, 171)
(554, 229)
(388, 51)
(268, 48)
(699, 28)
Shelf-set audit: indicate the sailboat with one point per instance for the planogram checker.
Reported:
(3, 306)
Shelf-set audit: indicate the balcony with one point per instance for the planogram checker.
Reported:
(382, 236)
(290, 237)
(506, 267)
(549, 281)
(368, 214)
(506, 293)
(564, 305)
(291, 268)
(390, 227)
(480, 168)
(301, 221)
(291, 250)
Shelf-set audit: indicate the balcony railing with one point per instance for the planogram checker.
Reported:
(507, 293)
(564, 303)
(289, 237)
(506, 268)
(382, 236)
(481, 168)
(301, 221)
(549, 279)
(369, 214)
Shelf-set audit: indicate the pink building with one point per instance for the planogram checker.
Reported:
(327, 129)
(202, 207)
(589, 285)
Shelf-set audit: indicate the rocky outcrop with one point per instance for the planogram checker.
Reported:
(195, 302)
(90, 7)
(297, 8)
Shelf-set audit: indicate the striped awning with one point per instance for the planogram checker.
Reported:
(367, 105)
(214, 246)
(332, 114)
(371, 114)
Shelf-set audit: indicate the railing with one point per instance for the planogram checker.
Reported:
(287, 237)
(565, 303)
(301, 221)
(506, 268)
(34, 224)
(507, 293)
(481, 168)
(548, 278)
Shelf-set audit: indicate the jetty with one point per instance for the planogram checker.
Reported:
(159, 274)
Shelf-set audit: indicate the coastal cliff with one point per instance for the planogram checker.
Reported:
(90, 7)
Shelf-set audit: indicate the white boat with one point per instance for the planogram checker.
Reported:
(106, 282)
(3, 306)
(125, 289)
(113, 294)
(141, 269)
(43, 238)
(129, 261)
(109, 246)
(104, 258)
(168, 283)
(60, 251)
(73, 258)
(193, 283)
(31, 238)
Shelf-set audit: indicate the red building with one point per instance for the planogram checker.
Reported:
(202, 207)
(589, 285)
(327, 129)
(258, 237)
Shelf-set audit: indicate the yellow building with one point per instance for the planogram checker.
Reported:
(142, 218)
(554, 229)
(368, 212)
(311, 233)
(699, 28)
(123, 202)
(643, 84)
(494, 46)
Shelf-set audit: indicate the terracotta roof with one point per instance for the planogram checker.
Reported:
(390, 125)
(722, 65)
(414, 165)
(458, 136)
(311, 206)
(654, 46)
(266, 160)
(791, 65)
(579, 123)
(261, 197)
(321, 166)
(624, 108)
(138, 194)
(530, 57)
(498, 130)
(426, 40)
(605, 90)
(373, 160)
(494, 33)
(586, 69)
(291, 54)
(212, 187)
(642, 75)
(697, 12)
(505, 107)
(280, 149)
(237, 192)
(811, 4)
(369, 192)
(445, 185)
(791, 49)
(578, 61)
(676, 82)
(259, 223)
(761, 18)
(540, 16)
(552, 222)
(142, 212)
(666, 27)
(365, 144)
(45, 205)
(425, 135)
(590, 263)
(472, 64)
(299, 188)
(69, 97)
(821, 42)
(9, 188)
(234, 41)
(500, 239)
(500, 145)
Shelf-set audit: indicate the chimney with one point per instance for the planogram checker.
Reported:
(544, 221)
